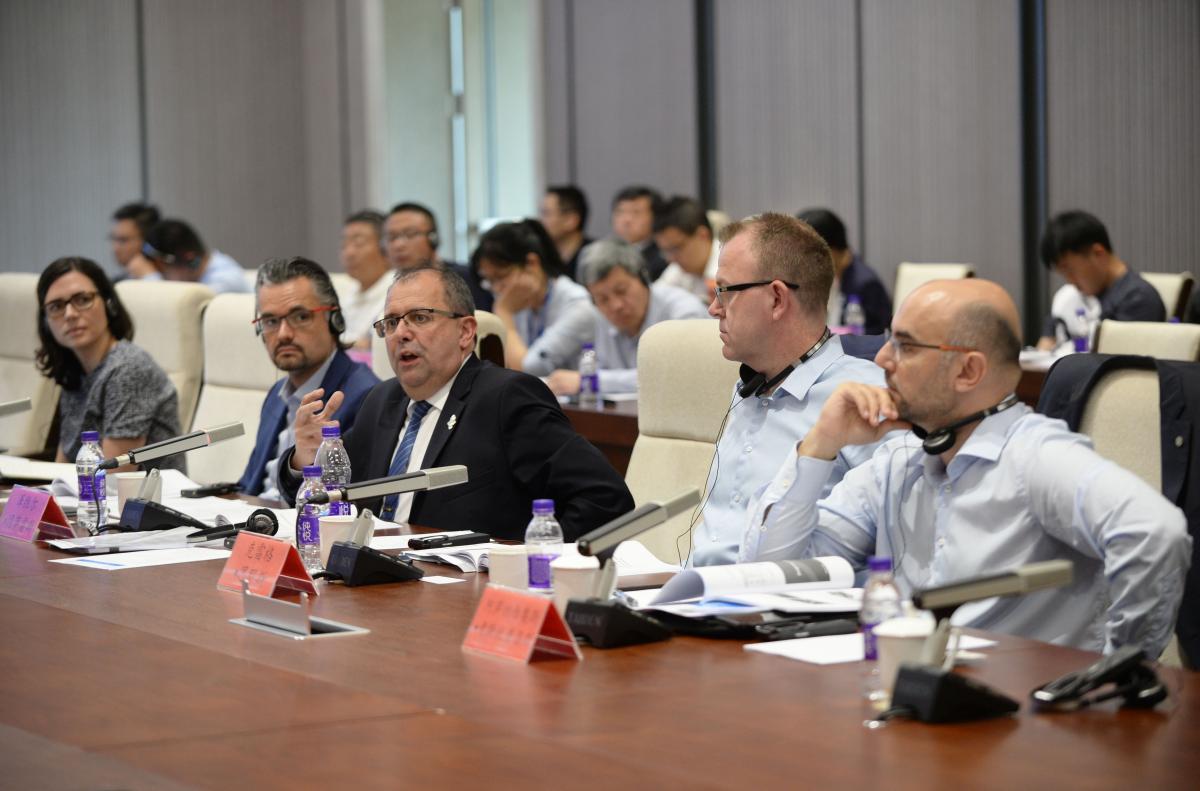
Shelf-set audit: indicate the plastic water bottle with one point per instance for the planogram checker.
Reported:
(881, 602)
(335, 466)
(308, 519)
(856, 317)
(543, 543)
(92, 515)
(1082, 330)
(589, 380)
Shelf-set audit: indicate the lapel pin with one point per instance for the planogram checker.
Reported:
(452, 422)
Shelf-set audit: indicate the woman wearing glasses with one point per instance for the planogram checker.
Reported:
(548, 316)
(108, 384)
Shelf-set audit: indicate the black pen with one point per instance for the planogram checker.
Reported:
(437, 542)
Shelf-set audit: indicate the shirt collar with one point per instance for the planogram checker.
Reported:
(437, 401)
(287, 393)
(986, 443)
(805, 375)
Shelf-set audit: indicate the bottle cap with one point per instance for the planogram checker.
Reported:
(854, 299)
(879, 563)
(331, 432)
(90, 436)
(543, 506)
(312, 469)
(588, 346)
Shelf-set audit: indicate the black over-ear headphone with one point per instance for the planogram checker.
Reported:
(433, 238)
(110, 309)
(755, 383)
(938, 442)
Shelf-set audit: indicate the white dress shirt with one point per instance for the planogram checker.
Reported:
(675, 275)
(362, 308)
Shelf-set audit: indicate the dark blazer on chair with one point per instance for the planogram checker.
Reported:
(516, 443)
(355, 380)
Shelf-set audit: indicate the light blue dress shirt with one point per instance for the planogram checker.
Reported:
(1023, 488)
(761, 431)
(616, 353)
(555, 333)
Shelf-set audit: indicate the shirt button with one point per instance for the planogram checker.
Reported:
(749, 448)
(941, 542)
(737, 497)
(1179, 442)
(762, 402)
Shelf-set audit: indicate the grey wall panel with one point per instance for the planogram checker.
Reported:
(226, 122)
(69, 149)
(635, 99)
(787, 107)
(942, 135)
(325, 130)
(556, 93)
(1123, 112)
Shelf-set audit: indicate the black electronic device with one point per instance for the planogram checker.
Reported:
(940, 440)
(437, 542)
(608, 624)
(356, 565)
(212, 490)
(1132, 677)
(262, 521)
(931, 694)
(755, 383)
(141, 514)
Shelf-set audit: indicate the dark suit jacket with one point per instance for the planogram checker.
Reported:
(860, 280)
(355, 380)
(517, 445)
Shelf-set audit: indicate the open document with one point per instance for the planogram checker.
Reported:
(813, 585)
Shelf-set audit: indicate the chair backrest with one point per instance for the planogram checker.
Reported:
(166, 323)
(1167, 341)
(26, 432)
(684, 391)
(237, 375)
(1174, 288)
(342, 284)
(489, 344)
(1122, 418)
(909, 276)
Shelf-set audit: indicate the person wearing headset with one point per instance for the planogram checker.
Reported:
(108, 384)
(986, 485)
(178, 253)
(626, 305)
(411, 238)
(299, 320)
(772, 286)
(364, 258)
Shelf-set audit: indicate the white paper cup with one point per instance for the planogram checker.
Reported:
(128, 484)
(899, 640)
(574, 577)
(508, 566)
(334, 528)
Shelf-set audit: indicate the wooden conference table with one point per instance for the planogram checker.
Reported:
(135, 679)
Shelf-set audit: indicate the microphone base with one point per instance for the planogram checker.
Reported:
(931, 694)
(610, 624)
(359, 565)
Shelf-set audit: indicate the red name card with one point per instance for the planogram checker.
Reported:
(520, 626)
(268, 565)
(33, 515)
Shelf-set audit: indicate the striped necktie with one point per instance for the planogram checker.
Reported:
(403, 454)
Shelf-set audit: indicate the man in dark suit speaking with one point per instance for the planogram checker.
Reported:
(447, 407)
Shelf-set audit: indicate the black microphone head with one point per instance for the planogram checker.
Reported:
(263, 521)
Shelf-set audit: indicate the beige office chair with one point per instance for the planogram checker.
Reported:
(24, 433)
(489, 344)
(685, 387)
(909, 276)
(1174, 288)
(237, 375)
(1164, 340)
(166, 323)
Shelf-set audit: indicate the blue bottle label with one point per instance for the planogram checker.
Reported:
(870, 650)
(308, 526)
(92, 493)
(539, 571)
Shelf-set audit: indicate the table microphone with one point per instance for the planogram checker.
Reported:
(13, 407)
(170, 447)
(433, 478)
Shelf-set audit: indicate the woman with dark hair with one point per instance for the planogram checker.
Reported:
(548, 315)
(108, 384)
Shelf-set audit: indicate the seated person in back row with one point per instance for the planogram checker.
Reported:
(685, 238)
(851, 276)
(1000, 486)
(178, 253)
(365, 262)
(299, 320)
(626, 306)
(447, 407)
(108, 384)
(1076, 246)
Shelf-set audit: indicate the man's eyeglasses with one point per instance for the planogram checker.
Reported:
(723, 290)
(407, 236)
(417, 318)
(297, 319)
(902, 345)
(81, 302)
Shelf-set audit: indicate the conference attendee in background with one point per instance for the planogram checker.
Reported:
(411, 238)
(108, 384)
(772, 290)
(127, 235)
(447, 407)
(993, 486)
(364, 259)
(633, 222)
(564, 215)
(547, 315)
(1073, 315)
(299, 320)
(178, 253)
(685, 238)
(1075, 245)
(851, 276)
(1192, 312)
(627, 304)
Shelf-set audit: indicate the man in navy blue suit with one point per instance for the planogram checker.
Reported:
(299, 320)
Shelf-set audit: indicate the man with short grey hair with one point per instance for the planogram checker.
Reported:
(627, 304)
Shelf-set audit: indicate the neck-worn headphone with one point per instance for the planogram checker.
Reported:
(755, 383)
(938, 442)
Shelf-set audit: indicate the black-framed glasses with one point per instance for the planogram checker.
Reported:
(723, 290)
(417, 319)
(297, 319)
(902, 345)
(81, 302)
